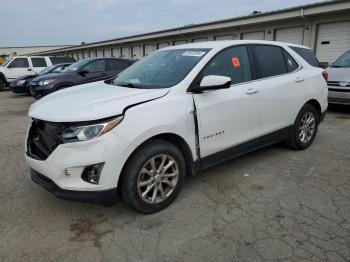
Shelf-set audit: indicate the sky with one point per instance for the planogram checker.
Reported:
(55, 22)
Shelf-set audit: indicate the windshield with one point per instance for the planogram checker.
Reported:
(160, 69)
(6, 62)
(343, 61)
(76, 66)
(46, 70)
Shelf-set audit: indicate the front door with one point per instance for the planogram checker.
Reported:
(18, 67)
(229, 117)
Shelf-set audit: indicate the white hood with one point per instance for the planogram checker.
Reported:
(92, 101)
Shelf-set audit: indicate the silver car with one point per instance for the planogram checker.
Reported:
(339, 80)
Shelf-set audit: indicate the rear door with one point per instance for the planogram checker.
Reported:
(115, 66)
(39, 64)
(278, 75)
(228, 117)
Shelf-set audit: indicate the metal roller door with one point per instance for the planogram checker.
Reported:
(149, 48)
(125, 52)
(162, 45)
(180, 42)
(333, 39)
(254, 36)
(99, 53)
(115, 52)
(294, 35)
(86, 54)
(107, 53)
(223, 37)
(136, 52)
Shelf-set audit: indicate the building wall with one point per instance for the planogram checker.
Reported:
(27, 50)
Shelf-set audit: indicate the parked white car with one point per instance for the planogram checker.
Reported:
(339, 80)
(172, 114)
(25, 65)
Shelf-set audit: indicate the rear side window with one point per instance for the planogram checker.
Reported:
(290, 62)
(115, 64)
(19, 63)
(232, 62)
(307, 54)
(61, 59)
(38, 62)
(96, 66)
(269, 61)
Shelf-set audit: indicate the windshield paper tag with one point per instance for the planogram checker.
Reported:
(193, 53)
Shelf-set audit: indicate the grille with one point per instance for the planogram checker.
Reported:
(337, 83)
(43, 138)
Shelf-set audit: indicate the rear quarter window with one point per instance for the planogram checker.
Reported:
(307, 54)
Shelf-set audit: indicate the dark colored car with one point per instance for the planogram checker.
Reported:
(81, 72)
(21, 84)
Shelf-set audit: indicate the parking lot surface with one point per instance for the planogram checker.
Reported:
(272, 205)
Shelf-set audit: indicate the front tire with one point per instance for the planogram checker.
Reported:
(154, 176)
(2, 84)
(304, 129)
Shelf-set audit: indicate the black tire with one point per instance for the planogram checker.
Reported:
(294, 141)
(130, 190)
(2, 84)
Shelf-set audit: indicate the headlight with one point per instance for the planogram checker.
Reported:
(21, 82)
(83, 133)
(46, 82)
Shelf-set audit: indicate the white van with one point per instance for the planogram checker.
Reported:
(26, 65)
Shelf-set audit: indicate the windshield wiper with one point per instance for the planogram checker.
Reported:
(131, 85)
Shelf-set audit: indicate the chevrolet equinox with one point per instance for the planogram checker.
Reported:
(172, 114)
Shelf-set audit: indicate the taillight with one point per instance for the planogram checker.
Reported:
(325, 75)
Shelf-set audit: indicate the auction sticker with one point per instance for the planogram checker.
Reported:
(193, 53)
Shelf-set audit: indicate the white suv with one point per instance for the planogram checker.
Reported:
(172, 114)
(25, 65)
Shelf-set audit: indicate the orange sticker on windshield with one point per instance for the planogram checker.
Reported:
(235, 62)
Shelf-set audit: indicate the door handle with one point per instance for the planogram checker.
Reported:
(299, 79)
(251, 91)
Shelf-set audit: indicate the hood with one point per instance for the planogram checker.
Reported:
(26, 77)
(338, 74)
(91, 101)
(52, 76)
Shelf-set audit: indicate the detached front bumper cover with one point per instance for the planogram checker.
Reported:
(105, 197)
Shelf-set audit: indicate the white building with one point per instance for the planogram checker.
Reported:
(325, 27)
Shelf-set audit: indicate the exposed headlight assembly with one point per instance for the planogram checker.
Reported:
(83, 133)
(46, 82)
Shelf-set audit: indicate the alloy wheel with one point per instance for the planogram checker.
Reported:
(307, 127)
(158, 178)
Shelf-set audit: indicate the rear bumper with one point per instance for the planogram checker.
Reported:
(104, 197)
(339, 96)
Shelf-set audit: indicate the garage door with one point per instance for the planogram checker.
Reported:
(136, 52)
(115, 52)
(254, 36)
(332, 40)
(149, 48)
(180, 42)
(107, 52)
(223, 37)
(86, 54)
(196, 40)
(125, 52)
(162, 45)
(293, 35)
(99, 53)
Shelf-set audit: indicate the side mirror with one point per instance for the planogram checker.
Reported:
(213, 82)
(84, 72)
(29, 69)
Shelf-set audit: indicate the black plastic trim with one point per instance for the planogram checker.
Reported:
(105, 197)
(247, 147)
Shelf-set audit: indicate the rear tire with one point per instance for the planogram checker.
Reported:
(153, 176)
(304, 129)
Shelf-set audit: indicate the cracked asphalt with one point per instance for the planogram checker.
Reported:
(272, 205)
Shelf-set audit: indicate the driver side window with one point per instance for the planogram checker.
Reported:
(96, 66)
(232, 62)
